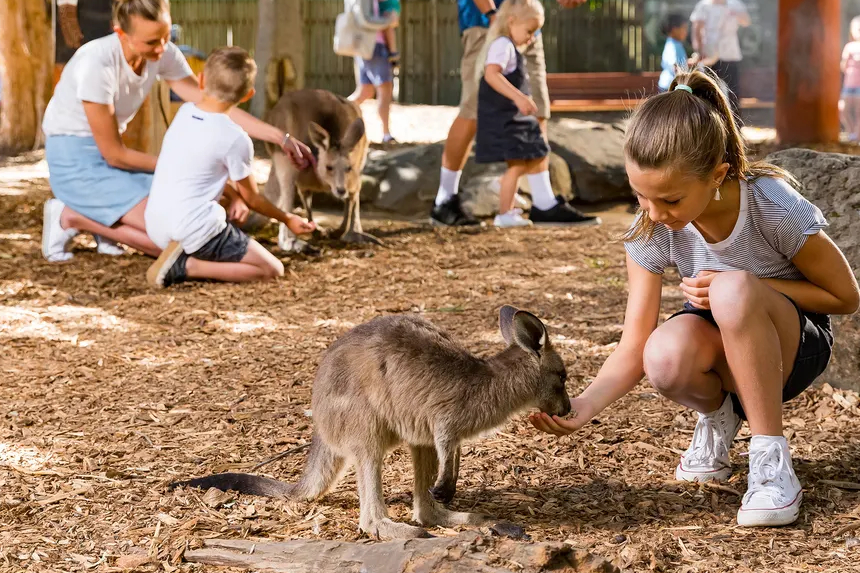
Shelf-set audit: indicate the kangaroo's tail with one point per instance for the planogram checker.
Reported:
(321, 471)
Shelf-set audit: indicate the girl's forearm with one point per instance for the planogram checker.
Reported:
(498, 82)
(810, 297)
(621, 372)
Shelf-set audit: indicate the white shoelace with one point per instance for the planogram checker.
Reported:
(766, 467)
(703, 447)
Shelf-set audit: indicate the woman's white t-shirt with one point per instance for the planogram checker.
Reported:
(99, 73)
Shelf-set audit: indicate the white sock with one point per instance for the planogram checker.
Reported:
(542, 195)
(449, 182)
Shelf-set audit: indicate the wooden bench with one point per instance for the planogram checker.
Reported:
(599, 91)
(614, 91)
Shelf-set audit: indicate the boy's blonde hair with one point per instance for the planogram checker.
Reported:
(229, 74)
(690, 132)
(517, 9)
(152, 10)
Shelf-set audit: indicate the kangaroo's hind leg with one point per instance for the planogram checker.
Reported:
(374, 518)
(429, 513)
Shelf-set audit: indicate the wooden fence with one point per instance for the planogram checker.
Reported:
(600, 36)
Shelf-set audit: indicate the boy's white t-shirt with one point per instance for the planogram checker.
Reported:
(503, 53)
(201, 150)
(99, 73)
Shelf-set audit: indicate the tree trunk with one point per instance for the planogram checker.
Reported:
(279, 53)
(468, 552)
(25, 53)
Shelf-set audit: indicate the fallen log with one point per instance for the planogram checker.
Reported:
(469, 552)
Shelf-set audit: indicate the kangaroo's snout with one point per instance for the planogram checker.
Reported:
(339, 192)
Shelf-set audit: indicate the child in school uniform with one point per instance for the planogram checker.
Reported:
(760, 277)
(508, 128)
(849, 103)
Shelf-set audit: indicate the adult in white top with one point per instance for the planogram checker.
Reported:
(715, 39)
(100, 185)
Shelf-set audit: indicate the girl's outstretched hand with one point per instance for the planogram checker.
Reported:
(580, 414)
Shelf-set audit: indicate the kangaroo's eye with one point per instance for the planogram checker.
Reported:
(329, 168)
(348, 168)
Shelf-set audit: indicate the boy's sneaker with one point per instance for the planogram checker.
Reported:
(513, 218)
(169, 267)
(773, 492)
(562, 214)
(54, 237)
(707, 458)
(107, 247)
(451, 214)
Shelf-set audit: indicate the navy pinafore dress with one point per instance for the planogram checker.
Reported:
(503, 132)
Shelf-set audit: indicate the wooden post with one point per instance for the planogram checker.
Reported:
(808, 75)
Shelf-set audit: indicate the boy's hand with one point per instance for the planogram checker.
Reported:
(238, 211)
(580, 414)
(696, 289)
(526, 105)
(299, 225)
(297, 152)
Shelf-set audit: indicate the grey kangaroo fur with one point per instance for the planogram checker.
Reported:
(400, 379)
(333, 127)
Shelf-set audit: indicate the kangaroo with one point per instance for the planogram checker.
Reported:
(333, 127)
(401, 379)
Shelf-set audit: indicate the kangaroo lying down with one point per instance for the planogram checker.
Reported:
(400, 379)
(332, 126)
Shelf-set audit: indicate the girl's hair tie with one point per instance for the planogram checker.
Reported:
(686, 88)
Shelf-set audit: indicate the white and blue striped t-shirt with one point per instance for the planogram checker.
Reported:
(772, 226)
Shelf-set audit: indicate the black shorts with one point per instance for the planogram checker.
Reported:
(813, 352)
(228, 246)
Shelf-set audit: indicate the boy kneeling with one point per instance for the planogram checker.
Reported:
(202, 149)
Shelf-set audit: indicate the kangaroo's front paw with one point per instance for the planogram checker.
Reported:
(299, 246)
(443, 492)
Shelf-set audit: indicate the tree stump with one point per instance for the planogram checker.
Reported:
(469, 552)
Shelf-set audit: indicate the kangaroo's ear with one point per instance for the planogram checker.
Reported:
(529, 333)
(353, 134)
(319, 136)
(506, 322)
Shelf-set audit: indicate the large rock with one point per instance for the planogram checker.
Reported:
(595, 154)
(832, 182)
(405, 181)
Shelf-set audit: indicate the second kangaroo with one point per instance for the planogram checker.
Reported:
(399, 379)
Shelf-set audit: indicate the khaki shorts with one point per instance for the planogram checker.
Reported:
(473, 41)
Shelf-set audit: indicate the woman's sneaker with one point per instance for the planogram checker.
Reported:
(54, 237)
(707, 458)
(561, 214)
(513, 218)
(773, 492)
(107, 247)
(169, 267)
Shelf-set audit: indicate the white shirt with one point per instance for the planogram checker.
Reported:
(721, 28)
(99, 73)
(201, 150)
(503, 53)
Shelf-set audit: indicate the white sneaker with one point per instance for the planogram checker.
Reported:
(773, 492)
(513, 218)
(707, 458)
(107, 247)
(54, 237)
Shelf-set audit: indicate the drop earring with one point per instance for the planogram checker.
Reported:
(717, 195)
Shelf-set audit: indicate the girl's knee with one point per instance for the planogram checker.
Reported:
(734, 296)
(667, 362)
